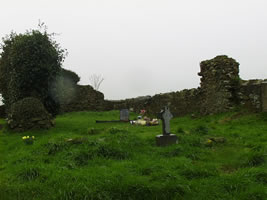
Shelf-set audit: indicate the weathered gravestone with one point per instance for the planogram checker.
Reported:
(166, 138)
(264, 96)
(124, 115)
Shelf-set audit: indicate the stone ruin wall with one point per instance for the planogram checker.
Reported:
(85, 98)
(220, 90)
(181, 102)
(253, 95)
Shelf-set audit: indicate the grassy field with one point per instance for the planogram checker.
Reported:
(79, 159)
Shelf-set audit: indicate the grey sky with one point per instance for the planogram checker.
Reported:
(144, 47)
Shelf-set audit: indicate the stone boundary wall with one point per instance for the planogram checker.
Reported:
(220, 90)
(85, 99)
(264, 96)
(180, 103)
(251, 95)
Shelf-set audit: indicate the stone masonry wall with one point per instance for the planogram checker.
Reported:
(250, 95)
(219, 84)
(220, 90)
(86, 98)
(264, 96)
(181, 102)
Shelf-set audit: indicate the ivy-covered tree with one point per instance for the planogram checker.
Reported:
(29, 65)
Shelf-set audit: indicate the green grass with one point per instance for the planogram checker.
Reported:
(121, 161)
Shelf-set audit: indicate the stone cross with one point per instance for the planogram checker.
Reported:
(165, 115)
(124, 115)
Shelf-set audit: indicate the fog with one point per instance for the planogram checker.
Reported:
(144, 47)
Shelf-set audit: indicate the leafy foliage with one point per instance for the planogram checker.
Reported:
(29, 64)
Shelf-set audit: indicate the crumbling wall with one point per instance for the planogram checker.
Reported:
(250, 95)
(180, 103)
(219, 84)
(86, 98)
(220, 90)
(264, 96)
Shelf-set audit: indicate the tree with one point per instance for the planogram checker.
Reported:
(96, 81)
(29, 65)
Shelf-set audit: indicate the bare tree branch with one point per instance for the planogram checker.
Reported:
(96, 81)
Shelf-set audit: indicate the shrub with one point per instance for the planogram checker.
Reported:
(28, 113)
(29, 65)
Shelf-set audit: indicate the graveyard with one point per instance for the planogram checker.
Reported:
(64, 141)
(220, 156)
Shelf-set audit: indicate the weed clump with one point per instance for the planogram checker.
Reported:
(83, 157)
(29, 174)
(255, 158)
(201, 130)
(198, 172)
(114, 130)
(93, 131)
(180, 130)
(112, 152)
(54, 147)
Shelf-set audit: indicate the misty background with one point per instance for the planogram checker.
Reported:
(145, 47)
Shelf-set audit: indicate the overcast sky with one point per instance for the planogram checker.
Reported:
(144, 47)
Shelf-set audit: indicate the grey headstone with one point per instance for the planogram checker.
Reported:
(124, 115)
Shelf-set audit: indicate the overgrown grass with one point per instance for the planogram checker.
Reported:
(81, 159)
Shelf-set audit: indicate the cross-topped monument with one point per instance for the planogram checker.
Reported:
(166, 138)
(165, 115)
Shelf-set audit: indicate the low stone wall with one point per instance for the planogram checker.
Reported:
(220, 90)
(252, 96)
(180, 103)
(86, 98)
(264, 96)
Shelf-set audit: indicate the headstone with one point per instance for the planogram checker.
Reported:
(166, 138)
(124, 115)
(264, 96)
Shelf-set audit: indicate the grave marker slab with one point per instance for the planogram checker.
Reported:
(166, 138)
(124, 115)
